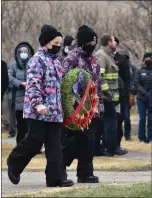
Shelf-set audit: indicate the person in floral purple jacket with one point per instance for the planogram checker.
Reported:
(43, 109)
(82, 144)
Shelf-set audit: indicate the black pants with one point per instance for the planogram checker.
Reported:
(40, 132)
(80, 145)
(99, 137)
(21, 126)
(120, 119)
(110, 126)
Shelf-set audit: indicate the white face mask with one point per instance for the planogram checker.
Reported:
(66, 49)
(24, 56)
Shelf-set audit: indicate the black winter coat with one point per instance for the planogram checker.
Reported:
(143, 82)
(133, 71)
(4, 78)
(123, 63)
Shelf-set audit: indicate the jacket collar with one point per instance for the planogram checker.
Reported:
(44, 50)
(107, 50)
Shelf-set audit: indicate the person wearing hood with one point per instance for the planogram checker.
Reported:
(17, 80)
(82, 146)
(43, 111)
(143, 83)
(67, 43)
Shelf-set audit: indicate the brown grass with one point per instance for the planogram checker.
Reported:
(100, 163)
(135, 145)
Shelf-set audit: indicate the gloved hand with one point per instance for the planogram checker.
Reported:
(132, 100)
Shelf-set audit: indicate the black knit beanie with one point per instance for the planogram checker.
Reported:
(48, 33)
(147, 54)
(68, 40)
(85, 34)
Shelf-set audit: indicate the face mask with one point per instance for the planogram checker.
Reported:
(88, 48)
(23, 56)
(55, 49)
(66, 49)
(148, 63)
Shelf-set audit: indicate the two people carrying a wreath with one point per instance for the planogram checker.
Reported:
(44, 112)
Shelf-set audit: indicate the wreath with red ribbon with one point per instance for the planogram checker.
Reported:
(79, 99)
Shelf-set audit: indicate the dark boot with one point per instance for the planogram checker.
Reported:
(101, 152)
(64, 183)
(11, 135)
(89, 179)
(14, 178)
(120, 151)
(109, 154)
(125, 150)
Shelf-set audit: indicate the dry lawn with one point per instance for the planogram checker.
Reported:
(100, 163)
(136, 146)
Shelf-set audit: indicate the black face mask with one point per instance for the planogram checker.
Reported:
(55, 49)
(148, 63)
(88, 48)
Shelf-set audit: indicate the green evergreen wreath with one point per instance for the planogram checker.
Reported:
(73, 89)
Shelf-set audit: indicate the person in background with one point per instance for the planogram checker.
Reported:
(143, 83)
(126, 73)
(74, 44)
(123, 62)
(17, 81)
(43, 111)
(82, 146)
(109, 73)
(4, 79)
(130, 103)
(11, 110)
(68, 41)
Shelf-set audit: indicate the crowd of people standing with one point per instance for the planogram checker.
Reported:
(34, 96)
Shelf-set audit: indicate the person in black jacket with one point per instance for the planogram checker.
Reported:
(129, 103)
(122, 61)
(4, 79)
(127, 73)
(143, 83)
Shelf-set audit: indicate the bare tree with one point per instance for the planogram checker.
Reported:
(17, 19)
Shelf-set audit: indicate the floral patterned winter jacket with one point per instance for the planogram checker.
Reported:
(44, 77)
(77, 58)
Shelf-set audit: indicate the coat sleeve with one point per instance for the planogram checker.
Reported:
(99, 89)
(104, 86)
(132, 88)
(35, 72)
(69, 62)
(13, 81)
(139, 88)
(121, 88)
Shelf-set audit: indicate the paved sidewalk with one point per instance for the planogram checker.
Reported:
(35, 181)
